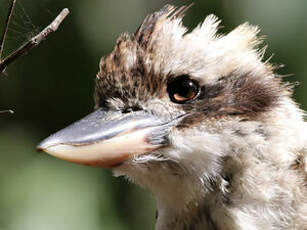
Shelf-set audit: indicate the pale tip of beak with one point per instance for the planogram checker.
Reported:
(45, 144)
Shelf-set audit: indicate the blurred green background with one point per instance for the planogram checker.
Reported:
(53, 85)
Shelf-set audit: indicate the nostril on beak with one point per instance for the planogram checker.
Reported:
(131, 109)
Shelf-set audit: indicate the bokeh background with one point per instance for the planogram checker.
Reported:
(53, 85)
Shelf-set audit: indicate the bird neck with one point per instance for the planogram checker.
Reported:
(244, 196)
(188, 203)
(195, 216)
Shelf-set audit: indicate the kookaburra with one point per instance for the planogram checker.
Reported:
(202, 121)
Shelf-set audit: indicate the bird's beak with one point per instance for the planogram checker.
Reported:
(108, 138)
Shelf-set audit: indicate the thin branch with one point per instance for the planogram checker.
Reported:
(34, 41)
(9, 111)
(6, 26)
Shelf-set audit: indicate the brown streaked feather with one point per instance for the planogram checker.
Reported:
(136, 83)
(144, 32)
(180, 12)
(168, 12)
(300, 166)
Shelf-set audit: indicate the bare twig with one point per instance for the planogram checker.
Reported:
(34, 41)
(6, 26)
(9, 111)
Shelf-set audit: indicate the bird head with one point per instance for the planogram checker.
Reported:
(172, 106)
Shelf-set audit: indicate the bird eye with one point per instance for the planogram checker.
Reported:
(182, 89)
